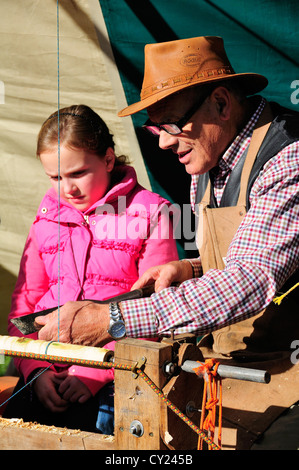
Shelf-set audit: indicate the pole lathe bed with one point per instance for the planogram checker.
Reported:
(158, 395)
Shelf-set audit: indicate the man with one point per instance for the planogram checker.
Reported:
(243, 156)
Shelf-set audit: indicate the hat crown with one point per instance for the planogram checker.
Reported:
(182, 63)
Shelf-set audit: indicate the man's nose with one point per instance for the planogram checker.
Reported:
(166, 140)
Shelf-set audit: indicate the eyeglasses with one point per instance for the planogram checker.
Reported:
(174, 128)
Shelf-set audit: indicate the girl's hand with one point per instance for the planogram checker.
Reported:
(72, 389)
(45, 387)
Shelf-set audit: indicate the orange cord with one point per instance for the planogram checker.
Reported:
(210, 400)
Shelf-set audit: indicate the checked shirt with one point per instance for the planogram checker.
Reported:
(262, 256)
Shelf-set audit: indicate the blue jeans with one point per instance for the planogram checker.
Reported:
(105, 418)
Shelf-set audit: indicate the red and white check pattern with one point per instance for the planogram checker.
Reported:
(262, 256)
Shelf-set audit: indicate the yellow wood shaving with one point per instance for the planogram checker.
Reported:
(19, 423)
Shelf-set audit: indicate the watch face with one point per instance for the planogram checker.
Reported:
(117, 330)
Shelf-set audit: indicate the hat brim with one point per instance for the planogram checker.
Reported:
(251, 83)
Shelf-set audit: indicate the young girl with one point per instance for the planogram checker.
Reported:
(96, 231)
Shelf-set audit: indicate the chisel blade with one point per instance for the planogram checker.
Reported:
(27, 324)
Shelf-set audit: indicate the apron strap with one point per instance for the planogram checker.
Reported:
(257, 138)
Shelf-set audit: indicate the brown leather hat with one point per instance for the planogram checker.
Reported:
(175, 65)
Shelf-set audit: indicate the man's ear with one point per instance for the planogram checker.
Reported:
(222, 100)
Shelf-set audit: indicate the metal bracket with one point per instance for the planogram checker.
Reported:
(138, 365)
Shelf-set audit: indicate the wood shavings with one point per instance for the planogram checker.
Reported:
(19, 423)
(168, 438)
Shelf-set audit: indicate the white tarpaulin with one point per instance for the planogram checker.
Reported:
(35, 38)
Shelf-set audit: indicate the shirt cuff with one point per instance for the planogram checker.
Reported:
(139, 318)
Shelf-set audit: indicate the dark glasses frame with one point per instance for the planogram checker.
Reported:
(174, 128)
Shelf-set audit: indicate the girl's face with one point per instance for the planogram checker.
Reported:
(84, 176)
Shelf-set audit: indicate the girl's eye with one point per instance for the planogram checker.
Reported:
(77, 174)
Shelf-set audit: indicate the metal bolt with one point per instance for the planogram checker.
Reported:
(169, 368)
(191, 409)
(136, 428)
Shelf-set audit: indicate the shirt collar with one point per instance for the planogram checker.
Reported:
(234, 151)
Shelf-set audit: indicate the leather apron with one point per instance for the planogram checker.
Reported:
(261, 342)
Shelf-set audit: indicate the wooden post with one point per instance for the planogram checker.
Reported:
(137, 407)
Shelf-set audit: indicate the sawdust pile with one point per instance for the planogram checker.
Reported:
(19, 423)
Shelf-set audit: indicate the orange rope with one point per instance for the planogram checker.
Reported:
(210, 400)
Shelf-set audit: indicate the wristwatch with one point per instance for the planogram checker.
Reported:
(117, 328)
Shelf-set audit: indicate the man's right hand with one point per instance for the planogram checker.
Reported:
(80, 322)
(166, 274)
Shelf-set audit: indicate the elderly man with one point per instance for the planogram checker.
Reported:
(243, 156)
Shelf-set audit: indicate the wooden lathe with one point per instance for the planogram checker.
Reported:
(158, 396)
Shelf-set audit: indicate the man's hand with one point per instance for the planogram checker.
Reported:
(82, 322)
(165, 275)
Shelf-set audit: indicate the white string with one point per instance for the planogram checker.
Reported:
(26, 384)
(58, 149)
(58, 104)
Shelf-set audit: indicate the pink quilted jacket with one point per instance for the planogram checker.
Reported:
(102, 253)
